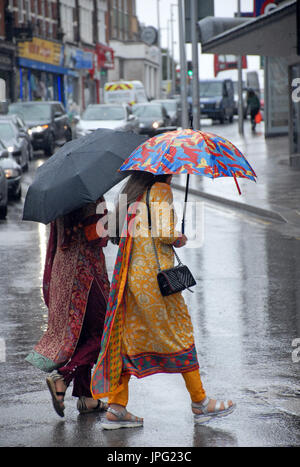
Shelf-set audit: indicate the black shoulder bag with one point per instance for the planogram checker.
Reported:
(174, 279)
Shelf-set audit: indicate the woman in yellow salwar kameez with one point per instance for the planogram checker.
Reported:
(146, 333)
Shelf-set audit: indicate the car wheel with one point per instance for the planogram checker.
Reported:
(222, 118)
(68, 134)
(3, 212)
(49, 150)
(25, 167)
(30, 152)
(18, 193)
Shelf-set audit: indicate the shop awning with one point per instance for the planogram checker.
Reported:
(34, 64)
(272, 34)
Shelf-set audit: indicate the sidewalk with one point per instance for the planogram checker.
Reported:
(276, 195)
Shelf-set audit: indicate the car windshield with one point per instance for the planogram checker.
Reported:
(169, 105)
(34, 111)
(7, 131)
(2, 147)
(103, 113)
(211, 88)
(147, 110)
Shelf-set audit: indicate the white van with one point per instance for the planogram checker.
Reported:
(127, 92)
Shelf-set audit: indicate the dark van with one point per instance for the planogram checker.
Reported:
(217, 99)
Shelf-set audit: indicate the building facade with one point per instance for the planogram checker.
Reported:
(134, 59)
(67, 50)
(55, 49)
(7, 52)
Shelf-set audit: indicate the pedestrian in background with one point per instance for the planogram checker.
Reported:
(146, 333)
(76, 289)
(253, 104)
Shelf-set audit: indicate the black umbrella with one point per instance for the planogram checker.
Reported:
(78, 173)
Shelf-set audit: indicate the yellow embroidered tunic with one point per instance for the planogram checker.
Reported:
(157, 332)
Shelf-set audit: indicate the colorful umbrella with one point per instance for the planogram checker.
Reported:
(191, 152)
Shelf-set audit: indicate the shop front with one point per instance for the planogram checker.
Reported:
(78, 62)
(41, 71)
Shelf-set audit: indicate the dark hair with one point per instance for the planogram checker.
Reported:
(135, 186)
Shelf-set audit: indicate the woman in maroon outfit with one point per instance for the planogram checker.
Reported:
(76, 289)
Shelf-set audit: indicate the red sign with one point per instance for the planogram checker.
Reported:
(263, 6)
(227, 62)
(105, 56)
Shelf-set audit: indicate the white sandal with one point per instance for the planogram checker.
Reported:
(206, 415)
(134, 421)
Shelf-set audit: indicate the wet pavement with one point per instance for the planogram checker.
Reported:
(246, 317)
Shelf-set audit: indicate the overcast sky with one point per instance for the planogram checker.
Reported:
(147, 14)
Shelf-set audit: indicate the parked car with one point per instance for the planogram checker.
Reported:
(217, 99)
(113, 116)
(172, 108)
(3, 192)
(47, 121)
(12, 171)
(18, 121)
(15, 141)
(153, 118)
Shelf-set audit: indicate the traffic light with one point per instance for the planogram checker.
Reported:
(190, 68)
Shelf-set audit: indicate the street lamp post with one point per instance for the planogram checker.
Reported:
(195, 82)
(240, 85)
(172, 49)
(159, 51)
(183, 68)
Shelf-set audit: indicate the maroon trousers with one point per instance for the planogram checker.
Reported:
(79, 367)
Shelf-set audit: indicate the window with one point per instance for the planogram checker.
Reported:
(86, 21)
(43, 20)
(28, 10)
(101, 22)
(66, 13)
(20, 11)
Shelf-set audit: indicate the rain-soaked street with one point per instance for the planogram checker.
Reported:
(246, 317)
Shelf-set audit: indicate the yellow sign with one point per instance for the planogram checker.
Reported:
(42, 51)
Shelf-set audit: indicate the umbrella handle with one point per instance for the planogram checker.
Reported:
(185, 201)
(236, 182)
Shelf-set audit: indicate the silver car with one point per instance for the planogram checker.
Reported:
(16, 142)
(113, 116)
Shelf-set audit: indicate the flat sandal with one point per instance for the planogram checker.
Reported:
(206, 415)
(58, 404)
(82, 407)
(134, 421)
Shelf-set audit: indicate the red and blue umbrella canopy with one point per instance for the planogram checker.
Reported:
(190, 152)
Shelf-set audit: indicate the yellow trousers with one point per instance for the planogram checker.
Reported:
(192, 381)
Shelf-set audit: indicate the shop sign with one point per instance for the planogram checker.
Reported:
(262, 7)
(83, 59)
(42, 51)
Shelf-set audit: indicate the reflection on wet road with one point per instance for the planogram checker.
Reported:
(245, 312)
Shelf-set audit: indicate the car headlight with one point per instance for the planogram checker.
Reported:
(39, 128)
(11, 173)
(142, 125)
(156, 125)
(10, 149)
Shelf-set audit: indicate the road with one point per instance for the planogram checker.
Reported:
(246, 316)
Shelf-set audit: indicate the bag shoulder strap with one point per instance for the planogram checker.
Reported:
(150, 228)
